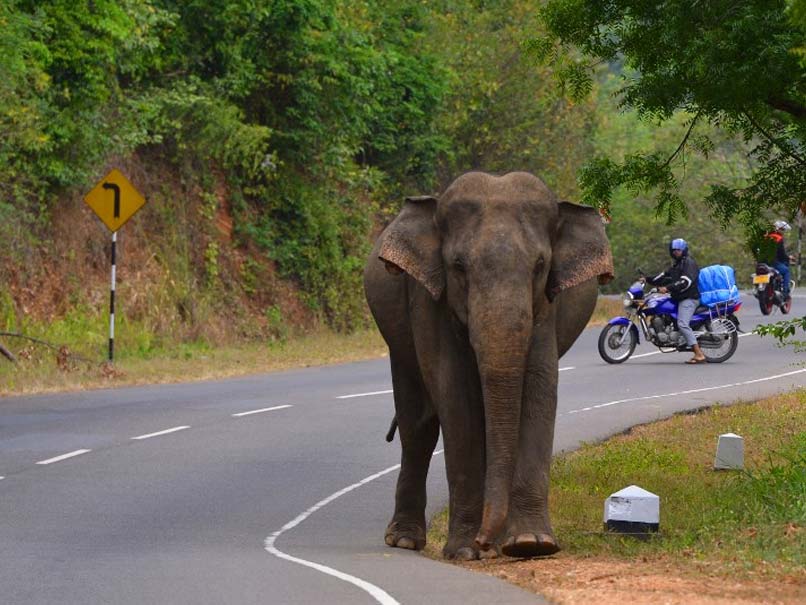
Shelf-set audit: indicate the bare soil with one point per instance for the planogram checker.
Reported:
(567, 580)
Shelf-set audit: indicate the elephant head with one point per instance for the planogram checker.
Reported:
(497, 251)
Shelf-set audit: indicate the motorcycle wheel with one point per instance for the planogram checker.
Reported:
(765, 300)
(609, 347)
(787, 306)
(722, 353)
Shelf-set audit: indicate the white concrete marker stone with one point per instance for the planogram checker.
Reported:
(632, 510)
(729, 452)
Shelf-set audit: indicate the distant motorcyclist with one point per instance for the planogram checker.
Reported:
(680, 280)
(781, 260)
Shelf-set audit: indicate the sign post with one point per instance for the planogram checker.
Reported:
(115, 200)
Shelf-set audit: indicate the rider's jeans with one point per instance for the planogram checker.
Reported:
(783, 269)
(685, 309)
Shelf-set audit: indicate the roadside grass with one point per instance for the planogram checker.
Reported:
(741, 523)
(606, 308)
(78, 359)
(77, 349)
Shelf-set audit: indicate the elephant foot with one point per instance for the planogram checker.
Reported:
(405, 535)
(465, 553)
(491, 553)
(530, 545)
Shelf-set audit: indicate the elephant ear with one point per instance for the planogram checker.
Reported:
(581, 250)
(411, 243)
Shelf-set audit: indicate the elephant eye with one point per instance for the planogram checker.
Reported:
(540, 264)
(459, 264)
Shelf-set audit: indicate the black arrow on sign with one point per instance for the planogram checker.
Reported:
(116, 189)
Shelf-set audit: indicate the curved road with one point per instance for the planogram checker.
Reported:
(277, 488)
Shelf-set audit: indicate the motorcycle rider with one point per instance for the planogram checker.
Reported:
(680, 280)
(781, 259)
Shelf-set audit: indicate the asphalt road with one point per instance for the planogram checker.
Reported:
(277, 488)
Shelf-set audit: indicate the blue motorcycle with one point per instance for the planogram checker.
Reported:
(715, 327)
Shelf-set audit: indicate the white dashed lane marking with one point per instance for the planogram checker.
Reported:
(63, 457)
(165, 432)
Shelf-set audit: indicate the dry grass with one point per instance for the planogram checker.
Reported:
(606, 308)
(41, 370)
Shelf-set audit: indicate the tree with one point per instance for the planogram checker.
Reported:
(501, 112)
(727, 64)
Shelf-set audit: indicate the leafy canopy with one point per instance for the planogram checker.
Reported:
(731, 65)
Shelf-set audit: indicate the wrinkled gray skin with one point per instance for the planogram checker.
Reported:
(478, 294)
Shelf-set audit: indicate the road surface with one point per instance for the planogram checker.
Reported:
(277, 488)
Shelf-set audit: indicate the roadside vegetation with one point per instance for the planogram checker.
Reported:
(41, 369)
(272, 140)
(68, 353)
(718, 529)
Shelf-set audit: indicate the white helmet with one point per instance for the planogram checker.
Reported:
(781, 226)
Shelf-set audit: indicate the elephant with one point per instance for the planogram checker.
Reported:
(478, 293)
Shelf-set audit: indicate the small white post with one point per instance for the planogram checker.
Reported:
(729, 452)
(632, 510)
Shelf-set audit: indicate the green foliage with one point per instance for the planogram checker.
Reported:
(273, 129)
(784, 332)
(640, 231)
(276, 323)
(730, 65)
(500, 114)
(304, 101)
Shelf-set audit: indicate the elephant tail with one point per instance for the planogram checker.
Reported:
(390, 435)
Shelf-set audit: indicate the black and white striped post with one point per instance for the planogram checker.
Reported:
(112, 300)
(114, 211)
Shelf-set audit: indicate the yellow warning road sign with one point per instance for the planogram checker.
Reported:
(115, 200)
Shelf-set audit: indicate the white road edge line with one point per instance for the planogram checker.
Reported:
(165, 432)
(63, 457)
(688, 392)
(249, 413)
(390, 390)
(380, 595)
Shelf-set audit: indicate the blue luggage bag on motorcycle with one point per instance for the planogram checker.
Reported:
(714, 322)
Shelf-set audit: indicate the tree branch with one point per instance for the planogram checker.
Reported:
(773, 140)
(683, 142)
(792, 108)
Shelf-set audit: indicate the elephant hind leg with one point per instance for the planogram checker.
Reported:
(407, 527)
(419, 431)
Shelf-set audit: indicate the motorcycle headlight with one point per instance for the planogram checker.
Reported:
(627, 301)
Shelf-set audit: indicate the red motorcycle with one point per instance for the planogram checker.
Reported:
(768, 288)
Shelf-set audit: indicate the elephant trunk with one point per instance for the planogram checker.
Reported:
(501, 353)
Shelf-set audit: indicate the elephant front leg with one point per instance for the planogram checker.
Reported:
(462, 419)
(419, 431)
(529, 532)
